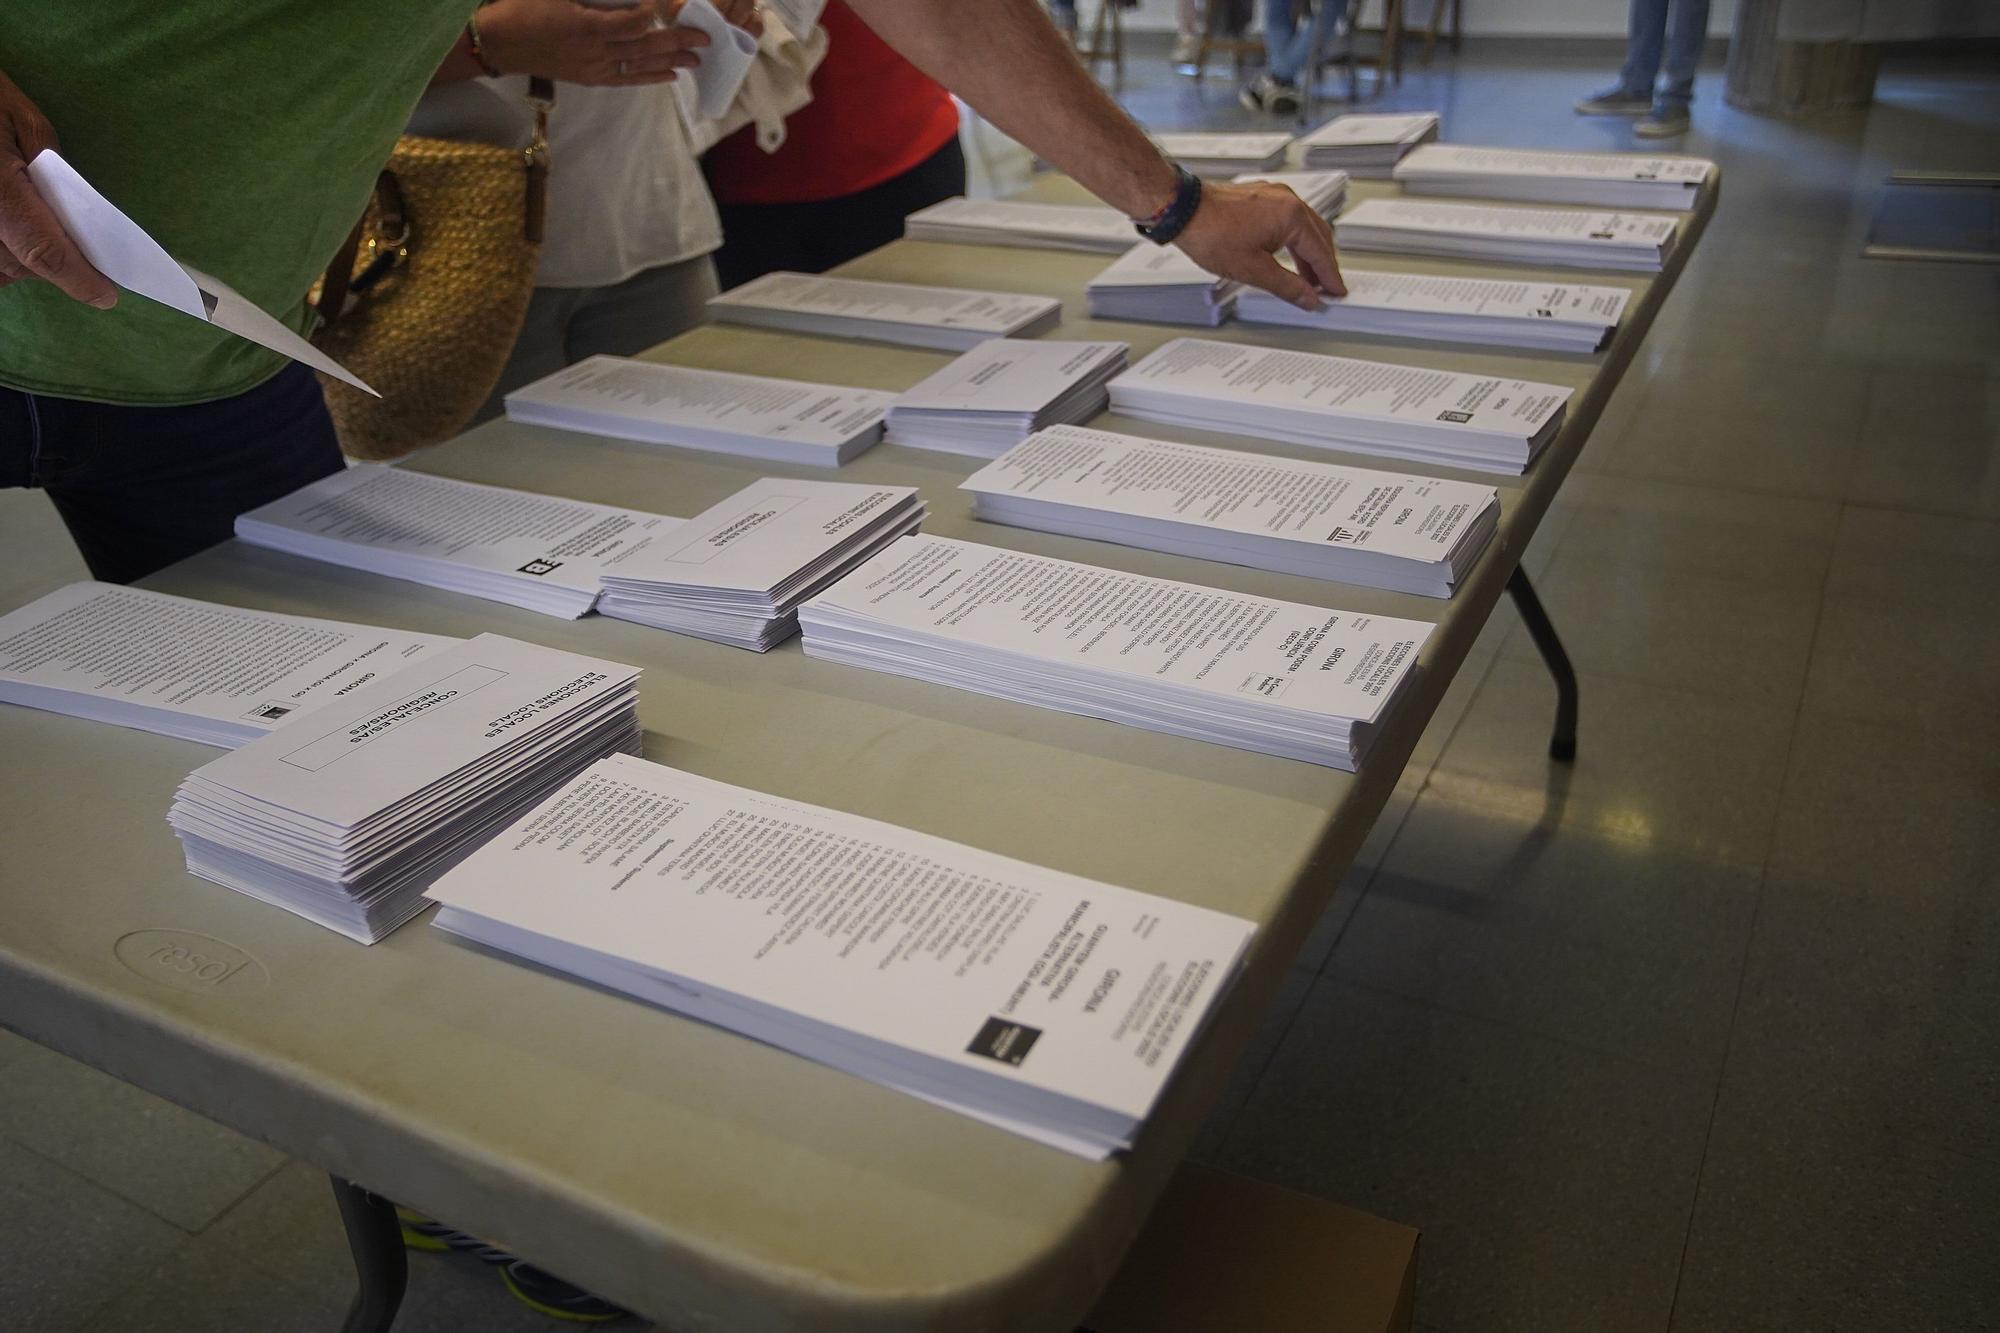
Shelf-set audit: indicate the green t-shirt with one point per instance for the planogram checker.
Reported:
(243, 134)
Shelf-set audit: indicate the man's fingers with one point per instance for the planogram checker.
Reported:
(1311, 244)
(1262, 270)
(37, 243)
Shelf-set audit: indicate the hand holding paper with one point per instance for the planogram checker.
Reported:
(33, 243)
(124, 253)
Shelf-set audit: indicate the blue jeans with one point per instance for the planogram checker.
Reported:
(142, 487)
(1669, 32)
(1288, 47)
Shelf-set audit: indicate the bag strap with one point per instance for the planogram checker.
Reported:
(535, 157)
(333, 287)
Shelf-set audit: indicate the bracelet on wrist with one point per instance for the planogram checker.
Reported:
(1172, 220)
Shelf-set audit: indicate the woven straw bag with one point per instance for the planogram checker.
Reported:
(428, 295)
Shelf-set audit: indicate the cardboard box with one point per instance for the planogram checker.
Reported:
(1224, 1254)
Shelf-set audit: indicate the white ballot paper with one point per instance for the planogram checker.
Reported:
(748, 416)
(121, 250)
(996, 395)
(737, 572)
(1021, 223)
(1368, 145)
(1159, 284)
(221, 675)
(1276, 677)
(1291, 516)
(1604, 180)
(1226, 154)
(1323, 191)
(540, 552)
(346, 814)
(1551, 237)
(724, 61)
(1372, 407)
(948, 318)
(1054, 1006)
(800, 16)
(1501, 312)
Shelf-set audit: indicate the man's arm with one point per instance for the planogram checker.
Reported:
(1007, 60)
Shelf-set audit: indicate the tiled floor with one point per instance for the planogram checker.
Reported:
(1701, 1034)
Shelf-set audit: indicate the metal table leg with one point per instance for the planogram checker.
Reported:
(1562, 744)
(380, 1266)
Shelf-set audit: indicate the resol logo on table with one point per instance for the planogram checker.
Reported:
(540, 567)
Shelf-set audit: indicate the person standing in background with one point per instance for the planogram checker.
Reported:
(1662, 34)
(1291, 49)
(878, 141)
(630, 225)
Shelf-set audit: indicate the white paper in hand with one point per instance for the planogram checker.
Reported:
(123, 252)
(724, 61)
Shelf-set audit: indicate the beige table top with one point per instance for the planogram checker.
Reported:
(688, 1173)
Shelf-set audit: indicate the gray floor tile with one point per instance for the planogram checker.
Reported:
(203, 1288)
(40, 555)
(1692, 432)
(1692, 775)
(71, 1246)
(1872, 987)
(183, 1167)
(1708, 377)
(289, 1227)
(1250, 1067)
(1662, 583)
(290, 1230)
(1565, 929)
(1930, 442)
(1925, 317)
(1803, 1223)
(1552, 1183)
(450, 1293)
(13, 1047)
(1910, 629)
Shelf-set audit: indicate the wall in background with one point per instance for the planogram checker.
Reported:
(1483, 18)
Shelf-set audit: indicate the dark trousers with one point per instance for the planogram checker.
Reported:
(142, 487)
(812, 238)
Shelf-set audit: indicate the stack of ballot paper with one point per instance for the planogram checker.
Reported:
(1368, 145)
(1159, 284)
(737, 572)
(221, 675)
(1021, 223)
(534, 551)
(750, 416)
(948, 318)
(1411, 412)
(1226, 154)
(1002, 391)
(1276, 677)
(1603, 180)
(347, 813)
(1320, 520)
(1500, 312)
(1037, 1002)
(1545, 237)
(1324, 191)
